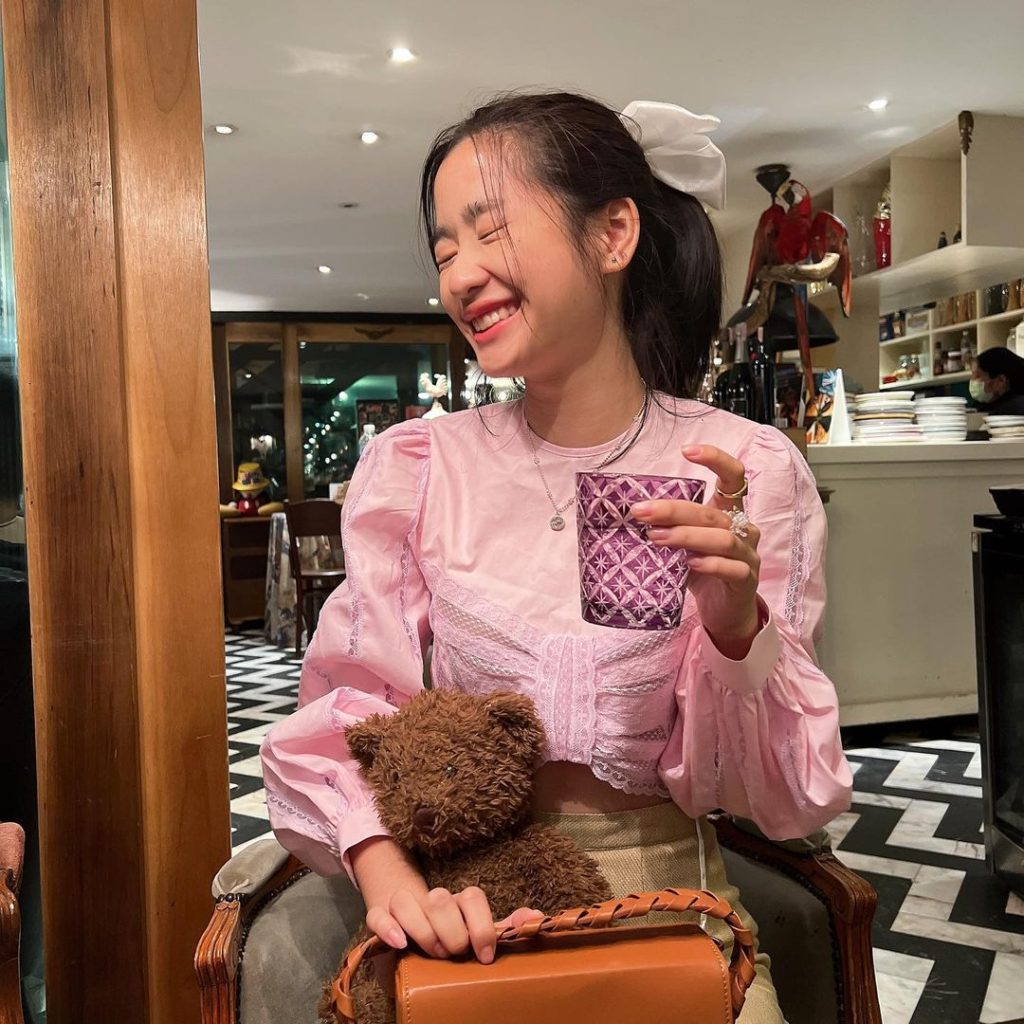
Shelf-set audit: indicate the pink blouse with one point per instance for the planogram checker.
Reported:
(447, 541)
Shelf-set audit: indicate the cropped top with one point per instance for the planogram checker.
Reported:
(447, 542)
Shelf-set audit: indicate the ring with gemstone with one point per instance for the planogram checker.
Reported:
(740, 522)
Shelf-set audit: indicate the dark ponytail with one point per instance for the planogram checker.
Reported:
(579, 150)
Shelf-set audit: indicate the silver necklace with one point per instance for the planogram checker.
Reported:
(557, 522)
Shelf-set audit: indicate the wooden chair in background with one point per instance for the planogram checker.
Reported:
(12, 857)
(319, 517)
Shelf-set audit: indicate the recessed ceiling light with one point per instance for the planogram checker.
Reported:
(879, 104)
(433, 302)
(225, 129)
(369, 138)
(324, 269)
(401, 55)
(362, 295)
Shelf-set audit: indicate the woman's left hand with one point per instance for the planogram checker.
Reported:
(723, 566)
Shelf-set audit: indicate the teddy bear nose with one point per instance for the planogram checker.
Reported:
(424, 818)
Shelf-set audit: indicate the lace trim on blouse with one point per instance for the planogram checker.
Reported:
(794, 607)
(352, 577)
(607, 702)
(407, 560)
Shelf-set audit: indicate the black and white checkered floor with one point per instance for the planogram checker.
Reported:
(949, 938)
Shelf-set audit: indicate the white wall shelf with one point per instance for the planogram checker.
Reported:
(926, 382)
(985, 332)
(906, 339)
(935, 188)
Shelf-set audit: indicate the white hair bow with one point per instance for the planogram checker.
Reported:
(676, 145)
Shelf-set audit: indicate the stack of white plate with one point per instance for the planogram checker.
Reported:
(1005, 428)
(884, 417)
(942, 419)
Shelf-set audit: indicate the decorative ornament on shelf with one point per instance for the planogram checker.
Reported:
(943, 240)
(883, 229)
(249, 484)
(794, 247)
(366, 437)
(966, 123)
(438, 391)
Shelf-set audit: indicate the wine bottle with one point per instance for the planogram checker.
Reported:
(740, 393)
(763, 374)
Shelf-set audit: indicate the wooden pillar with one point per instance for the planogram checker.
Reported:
(457, 357)
(113, 320)
(225, 432)
(292, 412)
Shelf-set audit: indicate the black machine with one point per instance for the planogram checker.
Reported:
(998, 544)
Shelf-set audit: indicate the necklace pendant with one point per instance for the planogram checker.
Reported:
(557, 523)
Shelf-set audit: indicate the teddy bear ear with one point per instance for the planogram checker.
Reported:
(516, 714)
(364, 739)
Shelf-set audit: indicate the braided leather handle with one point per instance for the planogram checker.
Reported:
(601, 915)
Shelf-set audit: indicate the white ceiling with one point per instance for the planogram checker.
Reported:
(302, 79)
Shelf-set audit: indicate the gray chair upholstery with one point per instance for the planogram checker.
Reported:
(293, 946)
(279, 931)
(794, 930)
(293, 935)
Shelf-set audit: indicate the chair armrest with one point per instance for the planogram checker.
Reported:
(849, 900)
(241, 888)
(12, 851)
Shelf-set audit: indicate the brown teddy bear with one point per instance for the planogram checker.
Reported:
(452, 778)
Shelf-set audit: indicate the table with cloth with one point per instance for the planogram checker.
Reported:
(315, 553)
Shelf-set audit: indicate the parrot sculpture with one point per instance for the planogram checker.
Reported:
(794, 246)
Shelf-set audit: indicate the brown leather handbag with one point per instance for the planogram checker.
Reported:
(575, 967)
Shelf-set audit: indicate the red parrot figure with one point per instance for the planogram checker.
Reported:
(792, 247)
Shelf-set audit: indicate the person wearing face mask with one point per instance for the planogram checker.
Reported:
(998, 382)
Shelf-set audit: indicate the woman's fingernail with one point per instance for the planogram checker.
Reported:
(657, 535)
(691, 450)
(396, 939)
(487, 955)
(641, 509)
(439, 951)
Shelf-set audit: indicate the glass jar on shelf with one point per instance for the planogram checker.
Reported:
(967, 351)
(954, 362)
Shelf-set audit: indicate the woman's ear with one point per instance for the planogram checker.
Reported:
(617, 233)
(1002, 383)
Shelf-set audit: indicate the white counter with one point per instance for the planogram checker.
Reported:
(899, 626)
(920, 451)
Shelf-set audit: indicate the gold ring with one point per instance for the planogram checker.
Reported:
(733, 497)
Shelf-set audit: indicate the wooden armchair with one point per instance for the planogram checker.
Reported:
(278, 931)
(319, 517)
(12, 856)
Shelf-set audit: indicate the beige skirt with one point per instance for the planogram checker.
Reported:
(660, 847)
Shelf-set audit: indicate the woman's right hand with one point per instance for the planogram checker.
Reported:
(441, 923)
(399, 906)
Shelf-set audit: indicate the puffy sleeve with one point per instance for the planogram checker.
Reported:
(365, 657)
(759, 738)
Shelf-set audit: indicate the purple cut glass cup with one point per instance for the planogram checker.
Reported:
(626, 581)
